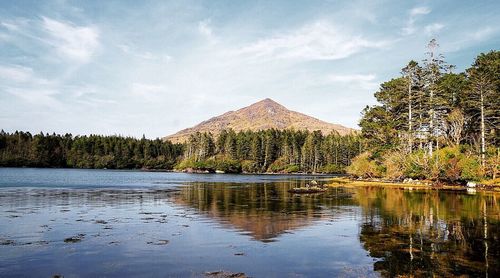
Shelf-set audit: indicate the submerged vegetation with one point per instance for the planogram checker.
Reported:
(434, 124)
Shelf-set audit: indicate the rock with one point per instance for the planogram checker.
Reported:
(225, 274)
(471, 184)
(74, 239)
(159, 242)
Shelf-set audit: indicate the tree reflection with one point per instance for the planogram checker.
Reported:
(264, 211)
(430, 233)
(412, 233)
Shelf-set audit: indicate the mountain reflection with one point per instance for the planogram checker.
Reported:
(431, 233)
(264, 211)
(421, 233)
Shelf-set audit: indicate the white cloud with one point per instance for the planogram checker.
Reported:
(9, 26)
(410, 28)
(352, 78)
(206, 31)
(39, 97)
(24, 83)
(419, 11)
(482, 33)
(15, 74)
(77, 43)
(434, 28)
(317, 41)
(127, 49)
(147, 91)
(364, 82)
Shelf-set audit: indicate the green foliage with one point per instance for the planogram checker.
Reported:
(434, 124)
(332, 169)
(20, 149)
(273, 151)
(229, 166)
(364, 166)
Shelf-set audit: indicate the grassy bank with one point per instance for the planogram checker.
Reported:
(488, 185)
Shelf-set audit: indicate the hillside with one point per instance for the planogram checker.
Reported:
(261, 115)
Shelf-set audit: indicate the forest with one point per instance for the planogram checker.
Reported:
(271, 150)
(22, 149)
(432, 123)
(253, 152)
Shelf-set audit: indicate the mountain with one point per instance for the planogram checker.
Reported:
(261, 115)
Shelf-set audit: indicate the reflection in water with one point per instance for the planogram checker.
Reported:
(175, 231)
(422, 233)
(431, 233)
(264, 211)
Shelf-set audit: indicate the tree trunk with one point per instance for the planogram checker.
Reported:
(410, 127)
(483, 144)
(431, 123)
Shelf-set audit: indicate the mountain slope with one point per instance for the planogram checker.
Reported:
(261, 115)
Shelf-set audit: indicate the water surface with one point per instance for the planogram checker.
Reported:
(87, 223)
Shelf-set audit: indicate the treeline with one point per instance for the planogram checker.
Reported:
(432, 123)
(22, 149)
(271, 150)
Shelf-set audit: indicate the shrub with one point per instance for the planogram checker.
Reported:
(278, 165)
(395, 165)
(292, 168)
(332, 169)
(249, 166)
(470, 169)
(417, 165)
(229, 166)
(363, 166)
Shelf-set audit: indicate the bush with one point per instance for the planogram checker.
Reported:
(470, 169)
(229, 166)
(395, 164)
(249, 166)
(278, 165)
(332, 169)
(417, 165)
(363, 166)
(292, 168)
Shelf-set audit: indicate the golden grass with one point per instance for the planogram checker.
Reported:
(345, 182)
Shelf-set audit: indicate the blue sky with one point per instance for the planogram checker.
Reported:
(155, 67)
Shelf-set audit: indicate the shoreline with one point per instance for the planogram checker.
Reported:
(183, 172)
(422, 185)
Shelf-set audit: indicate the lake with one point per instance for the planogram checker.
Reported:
(88, 223)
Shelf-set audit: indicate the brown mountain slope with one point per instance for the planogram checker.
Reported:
(261, 115)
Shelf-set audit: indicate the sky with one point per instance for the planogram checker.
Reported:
(151, 68)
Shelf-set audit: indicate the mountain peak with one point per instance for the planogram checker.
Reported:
(264, 114)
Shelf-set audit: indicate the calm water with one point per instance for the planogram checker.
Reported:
(88, 223)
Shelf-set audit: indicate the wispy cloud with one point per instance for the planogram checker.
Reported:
(147, 92)
(410, 28)
(358, 81)
(77, 43)
(206, 31)
(25, 84)
(15, 74)
(317, 41)
(145, 55)
(434, 28)
(482, 33)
